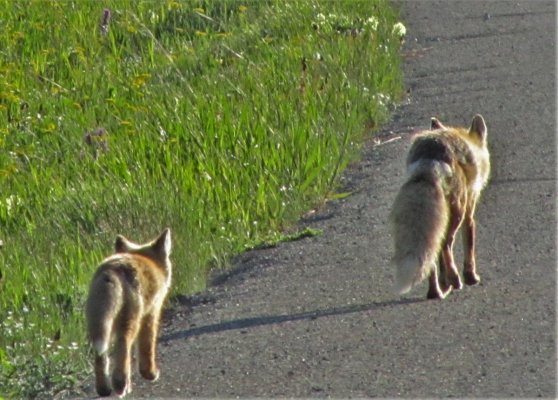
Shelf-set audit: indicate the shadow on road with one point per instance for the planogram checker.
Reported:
(276, 319)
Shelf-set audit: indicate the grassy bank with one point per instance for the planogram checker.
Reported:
(223, 120)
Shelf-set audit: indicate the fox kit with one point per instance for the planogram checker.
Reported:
(124, 304)
(447, 169)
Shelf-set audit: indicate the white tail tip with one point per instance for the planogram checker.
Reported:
(401, 287)
(408, 273)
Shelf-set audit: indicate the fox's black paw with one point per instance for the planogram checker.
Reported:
(438, 293)
(150, 375)
(471, 278)
(103, 390)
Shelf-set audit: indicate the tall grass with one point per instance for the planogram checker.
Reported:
(223, 120)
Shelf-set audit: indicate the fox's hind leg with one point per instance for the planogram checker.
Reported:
(442, 278)
(434, 289)
(448, 262)
(147, 346)
(102, 384)
(126, 333)
(469, 232)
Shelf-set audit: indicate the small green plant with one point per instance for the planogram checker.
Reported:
(223, 120)
(277, 237)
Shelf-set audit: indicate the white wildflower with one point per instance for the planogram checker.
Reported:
(11, 202)
(382, 99)
(399, 29)
(154, 17)
(372, 23)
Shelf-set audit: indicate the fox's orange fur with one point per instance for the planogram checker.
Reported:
(447, 169)
(124, 305)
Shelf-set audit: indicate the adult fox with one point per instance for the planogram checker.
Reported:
(124, 304)
(447, 169)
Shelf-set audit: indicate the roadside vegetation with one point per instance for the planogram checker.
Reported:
(223, 120)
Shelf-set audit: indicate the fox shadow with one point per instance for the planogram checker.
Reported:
(251, 322)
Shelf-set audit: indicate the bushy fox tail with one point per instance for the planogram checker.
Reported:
(419, 220)
(103, 304)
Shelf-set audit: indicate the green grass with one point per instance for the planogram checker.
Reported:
(223, 120)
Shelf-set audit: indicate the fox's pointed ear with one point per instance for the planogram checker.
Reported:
(121, 245)
(478, 127)
(163, 242)
(436, 124)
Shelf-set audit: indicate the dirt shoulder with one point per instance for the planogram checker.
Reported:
(317, 317)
